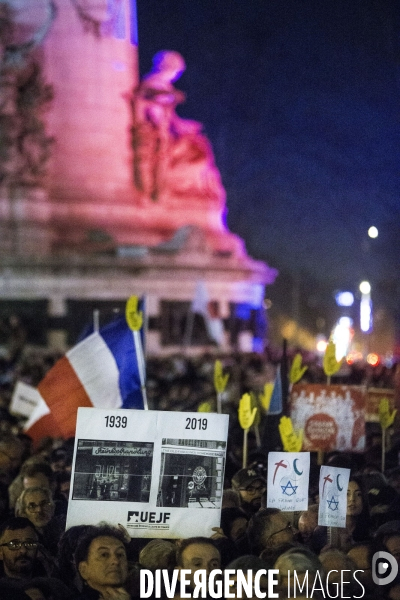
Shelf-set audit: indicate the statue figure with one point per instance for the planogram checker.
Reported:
(171, 155)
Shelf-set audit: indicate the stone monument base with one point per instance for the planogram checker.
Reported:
(167, 276)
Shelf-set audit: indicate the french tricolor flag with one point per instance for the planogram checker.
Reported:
(102, 371)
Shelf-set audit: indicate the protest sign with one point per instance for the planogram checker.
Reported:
(331, 416)
(24, 400)
(333, 484)
(159, 474)
(288, 478)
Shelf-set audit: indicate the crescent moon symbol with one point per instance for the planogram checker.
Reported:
(295, 468)
(337, 481)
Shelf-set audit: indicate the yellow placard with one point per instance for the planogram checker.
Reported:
(297, 370)
(331, 365)
(247, 414)
(133, 316)
(204, 407)
(386, 417)
(220, 380)
(265, 397)
(292, 442)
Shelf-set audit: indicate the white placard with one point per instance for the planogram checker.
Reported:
(156, 473)
(288, 479)
(24, 400)
(333, 484)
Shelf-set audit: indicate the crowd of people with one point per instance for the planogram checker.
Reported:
(40, 559)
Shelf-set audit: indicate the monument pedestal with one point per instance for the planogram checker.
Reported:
(166, 276)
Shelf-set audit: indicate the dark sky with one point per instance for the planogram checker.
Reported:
(301, 101)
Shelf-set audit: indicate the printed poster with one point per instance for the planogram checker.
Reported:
(288, 480)
(331, 416)
(333, 484)
(159, 474)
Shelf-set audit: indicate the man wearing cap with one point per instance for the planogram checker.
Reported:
(251, 486)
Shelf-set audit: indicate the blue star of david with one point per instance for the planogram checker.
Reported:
(333, 504)
(289, 487)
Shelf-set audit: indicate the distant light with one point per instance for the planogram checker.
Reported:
(373, 232)
(344, 299)
(365, 287)
(366, 314)
(345, 322)
(342, 335)
(321, 346)
(353, 357)
(373, 359)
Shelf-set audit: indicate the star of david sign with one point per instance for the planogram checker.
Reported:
(292, 489)
(333, 504)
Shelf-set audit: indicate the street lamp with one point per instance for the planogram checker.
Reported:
(373, 232)
(365, 287)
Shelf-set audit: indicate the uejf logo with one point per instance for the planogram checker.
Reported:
(134, 516)
(384, 568)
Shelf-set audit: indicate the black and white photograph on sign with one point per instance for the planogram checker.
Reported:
(191, 474)
(113, 470)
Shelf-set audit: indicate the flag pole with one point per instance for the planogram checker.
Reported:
(96, 320)
(141, 365)
(134, 318)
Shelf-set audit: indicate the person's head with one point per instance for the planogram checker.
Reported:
(245, 563)
(101, 558)
(251, 486)
(307, 523)
(63, 483)
(388, 539)
(158, 554)
(198, 553)
(66, 551)
(270, 528)
(18, 547)
(301, 560)
(230, 498)
(361, 555)
(37, 474)
(37, 505)
(233, 523)
(59, 460)
(11, 452)
(355, 502)
(336, 561)
(393, 545)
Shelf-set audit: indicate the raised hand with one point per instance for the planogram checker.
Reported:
(331, 365)
(246, 413)
(291, 441)
(220, 380)
(386, 417)
(297, 370)
(133, 316)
